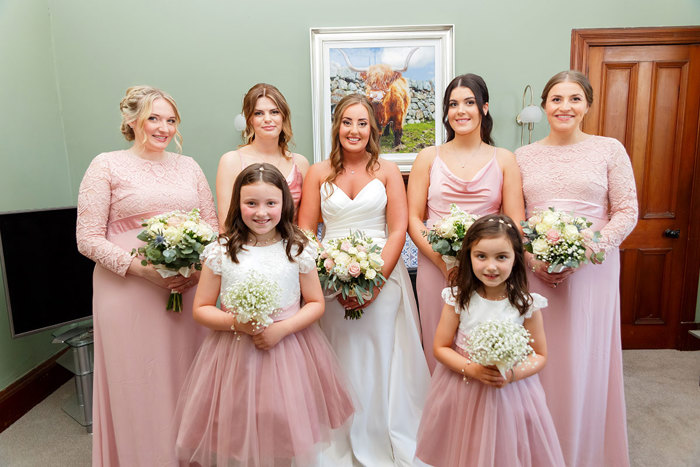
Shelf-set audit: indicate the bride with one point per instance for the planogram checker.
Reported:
(381, 352)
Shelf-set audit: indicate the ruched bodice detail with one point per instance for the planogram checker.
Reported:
(366, 212)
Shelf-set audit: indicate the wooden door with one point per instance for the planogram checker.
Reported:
(648, 97)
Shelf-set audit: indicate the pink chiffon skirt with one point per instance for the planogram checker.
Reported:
(478, 425)
(241, 406)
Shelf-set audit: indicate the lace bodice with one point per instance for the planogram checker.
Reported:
(596, 170)
(118, 185)
(270, 261)
(366, 212)
(481, 310)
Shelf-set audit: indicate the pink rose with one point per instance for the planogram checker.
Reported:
(553, 235)
(324, 254)
(361, 248)
(345, 246)
(354, 269)
(328, 264)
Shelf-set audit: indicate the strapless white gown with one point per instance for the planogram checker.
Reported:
(381, 353)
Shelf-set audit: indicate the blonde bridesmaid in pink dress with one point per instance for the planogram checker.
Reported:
(468, 171)
(142, 351)
(591, 176)
(267, 136)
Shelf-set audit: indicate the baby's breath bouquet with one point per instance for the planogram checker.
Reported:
(501, 343)
(253, 299)
(560, 239)
(447, 234)
(352, 267)
(173, 243)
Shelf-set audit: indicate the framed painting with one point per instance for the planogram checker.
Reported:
(402, 70)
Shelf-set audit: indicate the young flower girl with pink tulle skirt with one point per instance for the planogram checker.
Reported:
(476, 414)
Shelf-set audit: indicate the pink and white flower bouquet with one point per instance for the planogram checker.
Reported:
(351, 266)
(560, 239)
(447, 234)
(173, 243)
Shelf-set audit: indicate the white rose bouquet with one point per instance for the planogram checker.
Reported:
(173, 243)
(447, 234)
(352, 267)
(254, 299)
(501, 343)
(560, 239)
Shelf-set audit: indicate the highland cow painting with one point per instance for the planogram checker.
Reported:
(402, 72)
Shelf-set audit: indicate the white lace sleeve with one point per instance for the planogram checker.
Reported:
(307, 259)
(212, 256)
(622, 197)
(538, 302)
(449, 296)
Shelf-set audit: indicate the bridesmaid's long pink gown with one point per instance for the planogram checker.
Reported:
(583, 376)
(480, 196)
(142, 351)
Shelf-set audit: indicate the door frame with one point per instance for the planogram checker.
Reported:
(581, 42)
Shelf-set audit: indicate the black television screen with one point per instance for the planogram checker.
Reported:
(48, 283)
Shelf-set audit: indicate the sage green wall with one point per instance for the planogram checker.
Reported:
(34, 166)
(209, 52)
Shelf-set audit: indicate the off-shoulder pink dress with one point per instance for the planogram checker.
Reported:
(470, 424)
(480, 196)
(583, 376)
(142, 351)
(242, 406)
(294, 179)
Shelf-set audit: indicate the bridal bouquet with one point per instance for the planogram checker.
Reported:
(560, 239)
(352, 267)
(501, 343)
(173, 243)
(254, 299)
(447, 234)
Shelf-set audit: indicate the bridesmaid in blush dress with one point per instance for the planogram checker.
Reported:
(142, 351)
(468, 171)
(267, 135)
(591, 176)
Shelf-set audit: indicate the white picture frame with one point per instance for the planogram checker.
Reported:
(345, 59)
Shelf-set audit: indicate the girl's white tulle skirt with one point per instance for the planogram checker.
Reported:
(241, 406)
(478, 425)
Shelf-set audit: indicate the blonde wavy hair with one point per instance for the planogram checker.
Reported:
(336, 156)
(137, 105)
(274, 94)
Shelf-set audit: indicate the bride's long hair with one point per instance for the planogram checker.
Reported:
(372, 148)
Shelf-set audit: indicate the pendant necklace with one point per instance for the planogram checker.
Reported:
(465, 159)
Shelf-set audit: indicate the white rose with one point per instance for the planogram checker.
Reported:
(342, 259)
(172, 235)
(550, 217)
(540, 246)
(334, 253)
(189, 225)
(364, 264)
(370, 274)
(571, 233)
(542, 227)
(361, 256)
(376, 260)
(352, 250)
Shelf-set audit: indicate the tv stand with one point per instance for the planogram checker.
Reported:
(79, 361)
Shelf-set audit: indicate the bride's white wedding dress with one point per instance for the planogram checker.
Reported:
(381, 353)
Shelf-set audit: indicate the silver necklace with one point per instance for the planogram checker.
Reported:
(466, 159)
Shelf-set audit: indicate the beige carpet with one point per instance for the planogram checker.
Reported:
(663, 418)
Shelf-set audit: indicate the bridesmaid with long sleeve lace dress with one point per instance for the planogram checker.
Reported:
(468, 171)
(142, 351)
(267, 136)
(591, 176)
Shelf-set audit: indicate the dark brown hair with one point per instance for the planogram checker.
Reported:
(274, 94)
(236, 232)
(463, 277)
(336, 156)
(572, 76)
(481, 94)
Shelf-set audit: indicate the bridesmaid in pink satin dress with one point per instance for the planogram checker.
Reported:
(142, 351)
(267, 135)
(591, 176)
(468, 171)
